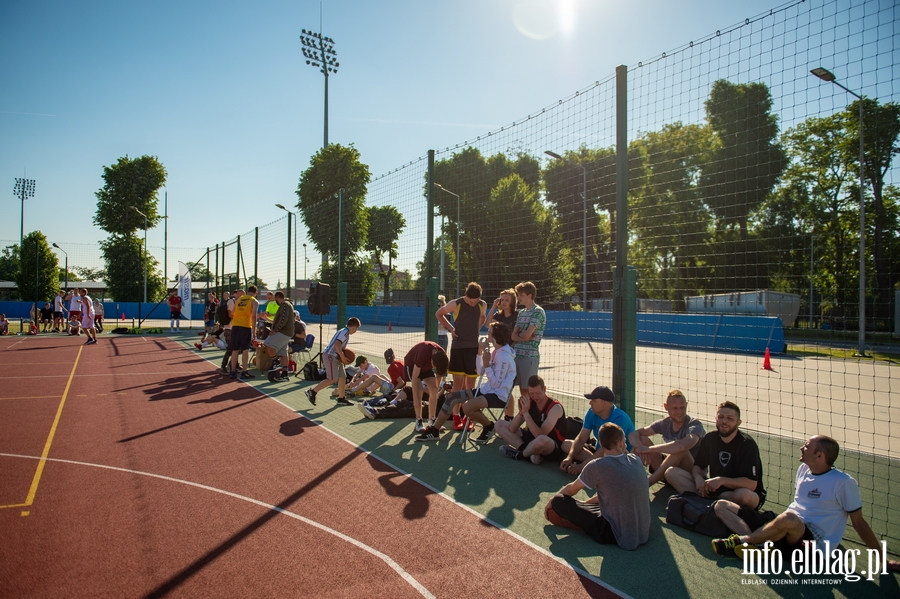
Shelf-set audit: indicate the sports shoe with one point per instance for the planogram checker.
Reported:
(343, 401)
(276, 365)
(367, 411)
(731, 546)
(224, 370)
(429, 434)
(311, 396)
(536, 458)
(511, 452)
(457, 422)
(359, 392)
(487, 432)
(90, 341)
(233, 374)
(198, 346)
(246, 375)
(419, 427)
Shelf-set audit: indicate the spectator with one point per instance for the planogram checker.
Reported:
(58, 309)
(334, 360)
(400, 405)
(4, 325)
(46, 317)
(214, 339)
(423, 363)
(527, 334)
(365, 370)
(223, 317)
(242, 332)
(504, 309)
(209, 312)
(74, 300)
(175, 303)
(602, 410)
(442, 330)
(681, 439)
(395, 379)
(620, 511)
(277, 341)
(98, 315)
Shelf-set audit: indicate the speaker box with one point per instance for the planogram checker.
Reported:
(319, 301)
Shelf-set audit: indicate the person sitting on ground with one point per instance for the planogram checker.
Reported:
(214, 339)
(732, 456)
(276, 342)
(424, 362)
(681, 439)
(824, 498)
(365, 370)
(620, 511)
(4, 325)
(499, 371)
(544, 419)
(46, 317)
(334, 360)
(395, 379)
(400, 405)
(602, 409)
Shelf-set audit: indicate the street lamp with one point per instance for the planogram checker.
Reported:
(291, 288)
(826, 75)
(584, 296)
(145, 256)
(66, 286)
(23, 190)
(438, 185)
(319, 53)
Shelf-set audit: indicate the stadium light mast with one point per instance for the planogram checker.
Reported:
(828, 76)
(66, 287)
(23, 190)
(319, 53)
(584, 297)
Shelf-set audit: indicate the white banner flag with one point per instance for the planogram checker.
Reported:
(183, 289)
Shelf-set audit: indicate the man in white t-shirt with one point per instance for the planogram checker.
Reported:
(58, 309)
(365, 370)
(823, 500)
(74, 300)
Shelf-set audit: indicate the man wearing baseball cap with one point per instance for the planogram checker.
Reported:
(602, 410)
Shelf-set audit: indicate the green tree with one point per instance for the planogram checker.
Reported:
(357, 273)
(124, 256)
(260, 284)
(747, 158)
(129, 184)
(333, 168)
(881, 131)
(9, 264)
(87, 273)
(37, 275)
(385, 225)
(198, 272)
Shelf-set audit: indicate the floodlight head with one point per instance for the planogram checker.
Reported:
(553, 154)
(823, 74)
(438, 185)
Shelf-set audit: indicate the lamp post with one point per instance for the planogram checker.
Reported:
(826, 75)
(305, 263)
(584, 297)
(145, 254)
(289, 213)
(319, 53)
(66, 285)
(23, 190)
(438, 185)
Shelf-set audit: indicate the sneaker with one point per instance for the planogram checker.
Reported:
(443, 429)
(457, 422)
(471, 426)
(282, 377)
(233, 374)
(731, 546)
(511, 452)
(246, 375)
(536, 459)
(91, 341)
(367, 411)
(359, 392)
(343, 401)
(311, 396)
(487, 432)
(224, 370)
(198, 346)
(429, 434)
(276, 365)
(419, 427)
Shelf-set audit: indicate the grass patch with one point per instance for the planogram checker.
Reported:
(841, 353)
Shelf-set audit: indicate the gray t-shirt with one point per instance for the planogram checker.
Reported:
(690, 426)
(623, 496)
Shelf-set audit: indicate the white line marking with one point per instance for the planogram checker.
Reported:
(384, 557)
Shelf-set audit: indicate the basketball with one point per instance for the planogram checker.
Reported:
(349, 356)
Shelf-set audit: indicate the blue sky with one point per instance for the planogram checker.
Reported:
(220, 92)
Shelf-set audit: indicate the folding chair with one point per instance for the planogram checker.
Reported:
(310, 339)
(464, 434)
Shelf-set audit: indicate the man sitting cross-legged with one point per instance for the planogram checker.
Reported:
(681, 438)
(499, 370)
(544, 419)
(366, 373)
(602, 409)
(823, 500)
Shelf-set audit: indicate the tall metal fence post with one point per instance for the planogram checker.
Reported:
(256, 254)
(342, 304)
(430, 299)
(624, 279)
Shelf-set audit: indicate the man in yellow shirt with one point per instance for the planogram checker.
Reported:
(242, 332)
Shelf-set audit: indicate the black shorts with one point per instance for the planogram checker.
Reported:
(240, 339)
(493, 400)
(423, 374)
(787, 549)
(557, 455)
(57, 315)
(175, 315)
(462, 361)
(585, 516)
(720, 490)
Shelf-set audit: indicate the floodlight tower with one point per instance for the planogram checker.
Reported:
(23, 190)
(319, 53)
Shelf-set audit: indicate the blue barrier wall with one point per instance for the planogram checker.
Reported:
(697, 331)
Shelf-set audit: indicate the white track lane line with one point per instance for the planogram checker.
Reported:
(385, 558)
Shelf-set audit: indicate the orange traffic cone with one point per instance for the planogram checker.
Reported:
(123, 316)
(767, 361)
(390, 328)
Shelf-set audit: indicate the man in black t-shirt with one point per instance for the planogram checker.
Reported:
(735, 470)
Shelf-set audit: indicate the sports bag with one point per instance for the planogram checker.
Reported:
(311, 372)
(695, 513)
(222, 314)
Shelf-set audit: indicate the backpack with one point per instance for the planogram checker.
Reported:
(311, 372)
(222, 314)
(572, 427)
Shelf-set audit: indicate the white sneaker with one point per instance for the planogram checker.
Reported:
(536, 458)
(420, 426)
